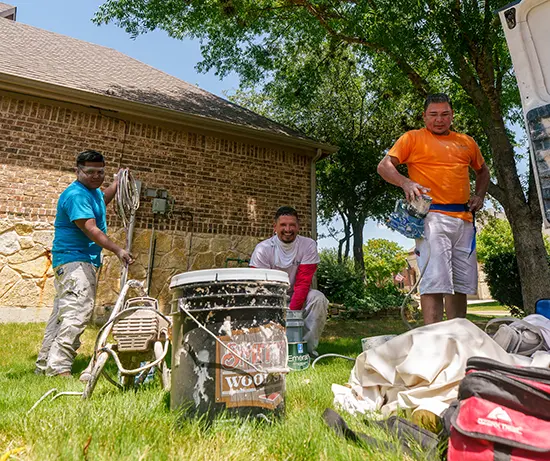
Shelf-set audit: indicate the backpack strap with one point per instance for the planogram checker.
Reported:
(411, 437)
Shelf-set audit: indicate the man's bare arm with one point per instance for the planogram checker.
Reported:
(94, 233)
(482, 184)
(387, 169)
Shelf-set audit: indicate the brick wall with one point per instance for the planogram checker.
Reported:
(229, 186)
(225, 193)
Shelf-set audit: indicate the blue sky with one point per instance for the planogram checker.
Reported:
(177, 58)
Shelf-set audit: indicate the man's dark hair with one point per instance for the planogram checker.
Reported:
(437, 97)
(89, 156)
(286, 211)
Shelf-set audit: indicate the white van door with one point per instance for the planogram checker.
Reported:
(526, 25)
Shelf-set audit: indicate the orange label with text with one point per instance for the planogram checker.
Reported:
(237, 382)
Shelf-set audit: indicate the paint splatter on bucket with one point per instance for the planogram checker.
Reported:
(236, 361)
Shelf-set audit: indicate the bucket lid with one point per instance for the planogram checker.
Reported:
(229, 275)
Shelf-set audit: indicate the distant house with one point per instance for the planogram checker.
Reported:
(224, 169)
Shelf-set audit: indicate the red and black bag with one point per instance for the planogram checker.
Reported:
(503, 413)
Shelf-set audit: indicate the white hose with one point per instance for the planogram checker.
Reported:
(56, 395)
(127, 197)
(331, 355)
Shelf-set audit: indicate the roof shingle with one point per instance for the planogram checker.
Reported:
(52, 58)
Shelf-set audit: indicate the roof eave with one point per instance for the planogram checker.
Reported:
(17, 84)
(9, 13)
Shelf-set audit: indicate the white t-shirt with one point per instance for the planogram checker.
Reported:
(273, 254)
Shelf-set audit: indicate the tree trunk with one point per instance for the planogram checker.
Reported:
(525, 219)
(340, 244)
(357, 226)
(523, 213)
(344, 240)
(348, 238)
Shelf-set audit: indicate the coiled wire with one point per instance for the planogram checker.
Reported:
(127, 197)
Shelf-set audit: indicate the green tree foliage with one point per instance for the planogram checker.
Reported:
(495, 238)
(502, 277)
(435, 45)
(383, 260)
(348, 110)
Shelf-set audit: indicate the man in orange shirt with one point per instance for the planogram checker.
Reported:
(438, 162)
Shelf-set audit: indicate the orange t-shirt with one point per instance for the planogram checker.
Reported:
(440, 162)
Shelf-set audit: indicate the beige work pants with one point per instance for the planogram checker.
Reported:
(75, 286)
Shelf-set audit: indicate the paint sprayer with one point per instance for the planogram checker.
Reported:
(141, 340)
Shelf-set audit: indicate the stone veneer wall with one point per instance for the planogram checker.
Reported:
(26, 276)
(225, 190)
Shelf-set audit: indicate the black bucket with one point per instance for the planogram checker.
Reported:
(239, 364)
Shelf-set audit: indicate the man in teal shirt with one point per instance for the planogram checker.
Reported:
(80, 235)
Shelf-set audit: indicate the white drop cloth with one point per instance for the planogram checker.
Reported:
(420, 369)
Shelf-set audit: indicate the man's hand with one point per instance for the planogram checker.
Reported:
(125, 257)
(413, 190)
(475, 203)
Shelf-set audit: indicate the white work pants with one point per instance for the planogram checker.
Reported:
(315, 317)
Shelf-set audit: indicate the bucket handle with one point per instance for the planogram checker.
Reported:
(181, 306)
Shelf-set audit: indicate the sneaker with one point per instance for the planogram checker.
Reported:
(314, 354)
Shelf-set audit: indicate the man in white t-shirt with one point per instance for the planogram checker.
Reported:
(298, 257)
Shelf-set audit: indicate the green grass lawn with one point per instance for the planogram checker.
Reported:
(488, 306)
(117, 425)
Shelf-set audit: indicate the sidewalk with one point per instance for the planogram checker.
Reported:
(490, 313)
(473, 302)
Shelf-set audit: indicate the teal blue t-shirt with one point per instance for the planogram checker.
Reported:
(70, 244)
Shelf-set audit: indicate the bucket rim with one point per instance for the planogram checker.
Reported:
(240, 274)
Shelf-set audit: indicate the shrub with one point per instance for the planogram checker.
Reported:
(342, 284)
(383, 259)
(502, 276)
(339, 282)
(495, 250)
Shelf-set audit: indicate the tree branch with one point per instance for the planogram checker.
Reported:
(420, 84)
(497, 193)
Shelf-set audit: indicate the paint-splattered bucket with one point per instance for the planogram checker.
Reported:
(229, 348)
